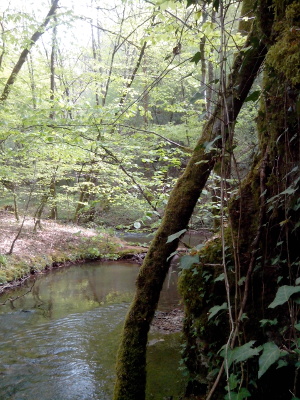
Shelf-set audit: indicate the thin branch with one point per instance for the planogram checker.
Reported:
(184, 148)
(165, 72)
(22, 224)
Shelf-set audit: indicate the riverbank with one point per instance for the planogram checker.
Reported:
(55, 244)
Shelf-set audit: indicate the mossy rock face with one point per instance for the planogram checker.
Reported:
(202, 287)
(264, 227)
(283, 56)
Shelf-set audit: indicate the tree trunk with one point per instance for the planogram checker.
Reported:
(131, 363)
(262, 240)
(32, 81)
(52, 192)
(34, 38)
(52, 66)
(39, 212)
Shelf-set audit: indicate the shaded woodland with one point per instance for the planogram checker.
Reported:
(166, 116)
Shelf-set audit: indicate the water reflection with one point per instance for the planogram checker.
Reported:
(59, 342)
(191, 238)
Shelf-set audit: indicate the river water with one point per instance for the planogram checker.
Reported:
(191, 238)
(59, 342)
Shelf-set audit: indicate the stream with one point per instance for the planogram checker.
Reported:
(59, 342)
(191, 238)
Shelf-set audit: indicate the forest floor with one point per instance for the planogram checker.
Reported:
(55, 244)
(52, 236)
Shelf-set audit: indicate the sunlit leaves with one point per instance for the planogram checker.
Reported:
(215, 3)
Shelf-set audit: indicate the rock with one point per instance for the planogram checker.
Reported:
(168, 322)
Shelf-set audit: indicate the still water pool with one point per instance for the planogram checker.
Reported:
(59, 342)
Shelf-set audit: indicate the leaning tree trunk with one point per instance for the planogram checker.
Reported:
(262, 241)
(34, 38)
(131, 363)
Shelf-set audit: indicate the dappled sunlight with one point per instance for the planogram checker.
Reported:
(52, 236)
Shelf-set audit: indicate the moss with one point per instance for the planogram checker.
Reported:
(17, 267)
(283, 56)
(283, 37)
(278, 125)
(247, 13)
(202, 287)
(3, 278)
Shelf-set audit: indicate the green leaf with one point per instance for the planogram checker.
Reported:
(242, 394)
(172, 254)
(175, 235)
(271, 353)
(298, 281)
(216, 4)
(214, 310)
(208, 146)
(187, 261)
(197, 57)
(242, 353)
(265, 322)
(232, 382)
(289, 190)
(215, 81)
(297, 326)
(282, 363)
(283, 294)
(246, 49)
(190, 2)
(253, 96)
(241, 281)
(221, 277)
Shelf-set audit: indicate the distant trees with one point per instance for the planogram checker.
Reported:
(114, 105)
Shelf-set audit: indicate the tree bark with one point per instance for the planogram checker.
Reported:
(52, 65)
(131, 363)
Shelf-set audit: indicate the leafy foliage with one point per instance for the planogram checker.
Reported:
(271, 353)
(283, 295)
(215, 309)
(240, 354)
